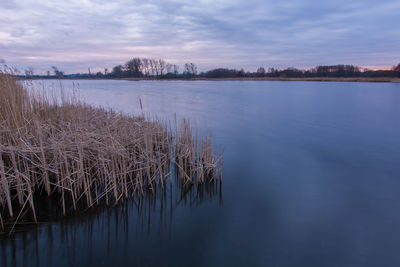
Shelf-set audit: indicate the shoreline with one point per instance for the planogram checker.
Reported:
(282, 79)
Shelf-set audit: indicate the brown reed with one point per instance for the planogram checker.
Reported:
(81, 156)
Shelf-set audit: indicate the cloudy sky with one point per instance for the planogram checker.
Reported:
(77, 34)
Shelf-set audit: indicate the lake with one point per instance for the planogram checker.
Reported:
(311, 177)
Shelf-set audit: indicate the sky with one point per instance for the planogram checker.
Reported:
(75, 35)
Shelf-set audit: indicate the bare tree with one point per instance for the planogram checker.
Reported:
(153, 67)
(149, 67)
(118, 71)
(161, 66)
(146, 66)
(29, 72)
(133, 67)
(396, 69)
(190, 69)
(169, 68)
(260, 72)
(176, 70)
(57, 72)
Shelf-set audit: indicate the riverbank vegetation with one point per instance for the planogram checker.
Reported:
(145, 68)
(63, 151)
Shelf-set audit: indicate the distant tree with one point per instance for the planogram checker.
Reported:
(337, 71)
(146, 66)
(105, 71)
(118, 71)
(176, 70)
(260, 72)
(57, 72)
(29, 72)
(224, 73)
(169, 68)
(396, 70)
(133, 67)
(291, 73)
(272, 72)
(190, 70)
(153, 67)
(162, 66)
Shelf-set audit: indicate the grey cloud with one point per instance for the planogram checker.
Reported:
(248, 34)
(9, 4)
(19, 32)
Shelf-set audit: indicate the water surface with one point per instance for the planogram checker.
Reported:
(311, 177)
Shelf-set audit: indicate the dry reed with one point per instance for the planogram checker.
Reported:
(81, 156)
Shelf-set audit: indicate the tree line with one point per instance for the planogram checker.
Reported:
(161, 69)
(152, 68)
(332, 71)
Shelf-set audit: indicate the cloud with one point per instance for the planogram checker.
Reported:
(78, 34)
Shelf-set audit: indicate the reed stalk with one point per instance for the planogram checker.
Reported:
(81, 156)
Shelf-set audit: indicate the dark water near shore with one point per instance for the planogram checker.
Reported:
(311, 177)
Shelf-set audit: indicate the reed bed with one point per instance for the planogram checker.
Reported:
(65, 151)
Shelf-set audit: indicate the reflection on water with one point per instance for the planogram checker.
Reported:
(311, 178)
(134, 220)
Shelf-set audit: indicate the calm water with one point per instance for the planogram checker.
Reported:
(311, 178)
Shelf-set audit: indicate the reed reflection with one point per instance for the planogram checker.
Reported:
(105, 231)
